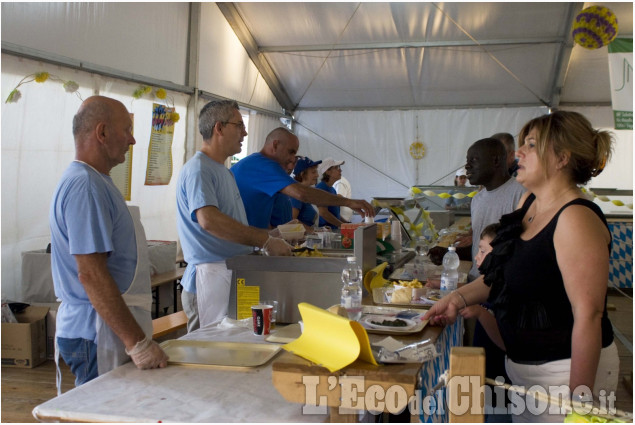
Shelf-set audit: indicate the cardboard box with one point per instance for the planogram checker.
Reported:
(24, 343)
(162, 256)
(348, 233)
(51, 318)
(37, 279)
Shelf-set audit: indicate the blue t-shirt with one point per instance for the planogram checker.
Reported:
(204, 182)
(88, 215)
(307, 212)
(258, 179)
(281, 212)
(335, 210)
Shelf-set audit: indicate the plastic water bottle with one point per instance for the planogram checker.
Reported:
(352, 290)
(421, 252)
(450, 274)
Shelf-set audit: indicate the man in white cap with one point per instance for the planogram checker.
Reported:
(343, 188)
(452, 203)
(329, 171)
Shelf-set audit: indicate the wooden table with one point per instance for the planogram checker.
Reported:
(358, 386)
(174, 277)
(343, 391)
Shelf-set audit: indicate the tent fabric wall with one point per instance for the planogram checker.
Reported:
(224, 68)
(151, 40)
(37, 146)
(36, 134)
(618, 173)
(101, 33)
(259, 126)
(375, 144)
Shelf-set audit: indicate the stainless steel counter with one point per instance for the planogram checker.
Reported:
(289, 280)
(292, 280)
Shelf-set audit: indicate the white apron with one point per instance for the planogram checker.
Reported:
(110, 350)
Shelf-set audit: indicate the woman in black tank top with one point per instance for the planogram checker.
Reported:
(548, 272)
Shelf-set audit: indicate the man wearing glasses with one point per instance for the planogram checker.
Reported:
(211, 218)
(263, 174)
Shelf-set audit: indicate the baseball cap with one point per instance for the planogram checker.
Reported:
(461, 172)
(328, 163)
(302, 164)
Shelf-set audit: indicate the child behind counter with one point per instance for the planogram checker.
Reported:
(482, 314)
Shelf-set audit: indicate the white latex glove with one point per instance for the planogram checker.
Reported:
(276, 246)
(147, 354)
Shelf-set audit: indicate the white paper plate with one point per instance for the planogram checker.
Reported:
(370, 319)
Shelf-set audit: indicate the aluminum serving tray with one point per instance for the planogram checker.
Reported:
(218, 354)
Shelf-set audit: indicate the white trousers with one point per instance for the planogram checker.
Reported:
(213, 282)
(556, 374)
(190, 307)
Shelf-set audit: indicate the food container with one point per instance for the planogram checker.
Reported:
(313, 242)
(291, 232)
(395, 295)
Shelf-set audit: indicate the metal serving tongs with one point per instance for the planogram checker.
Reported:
(413, 345)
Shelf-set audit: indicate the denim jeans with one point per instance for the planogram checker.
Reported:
(81, 356)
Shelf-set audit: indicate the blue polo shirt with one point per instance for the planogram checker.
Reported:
(282, 210)
(306, 213)
(259, 179)
(88, 215)
(335, 210)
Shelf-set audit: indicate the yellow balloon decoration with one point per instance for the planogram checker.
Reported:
(594, 27)
(417, 150)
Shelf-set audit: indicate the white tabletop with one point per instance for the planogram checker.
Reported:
(179, 393)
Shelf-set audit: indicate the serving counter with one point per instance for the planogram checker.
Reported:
(181, 393)
(292, 280)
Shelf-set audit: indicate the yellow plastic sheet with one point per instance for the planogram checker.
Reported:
(329, 340)
(374, 278)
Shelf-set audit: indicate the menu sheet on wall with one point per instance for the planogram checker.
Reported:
(121, 175)
(159, 167)
(621, 78)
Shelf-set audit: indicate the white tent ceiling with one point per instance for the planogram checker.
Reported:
(423, 55)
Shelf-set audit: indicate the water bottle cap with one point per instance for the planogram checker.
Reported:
(451, 248)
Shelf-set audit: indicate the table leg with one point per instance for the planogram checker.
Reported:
(176, 283)
(156, 306)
